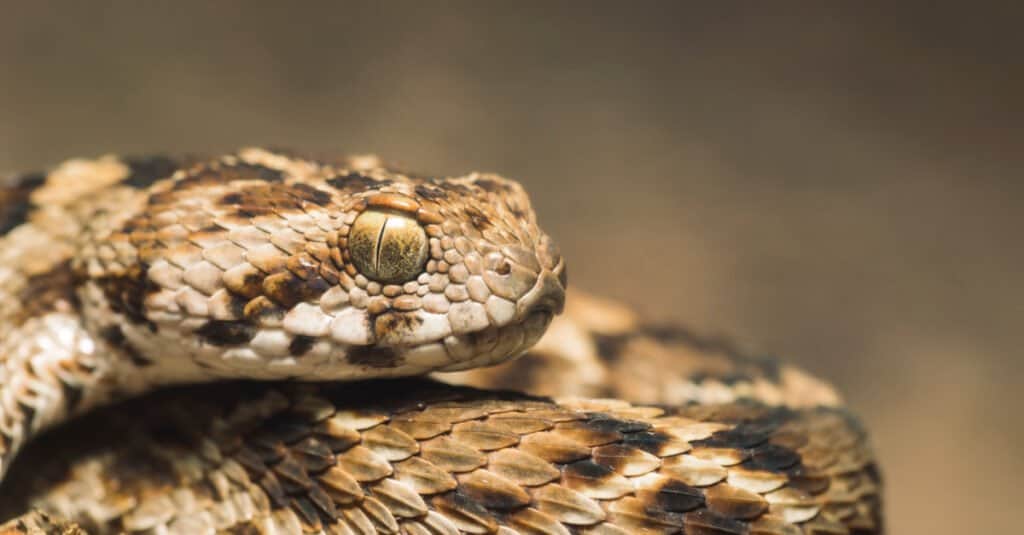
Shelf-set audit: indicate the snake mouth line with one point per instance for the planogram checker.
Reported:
(496, 344)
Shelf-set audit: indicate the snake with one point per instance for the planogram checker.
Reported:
(273, 342)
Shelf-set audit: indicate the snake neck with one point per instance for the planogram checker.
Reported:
(52, 368)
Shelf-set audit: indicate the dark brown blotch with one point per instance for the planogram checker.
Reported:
(392, 325)
(649, 441)
(352, 182)
(14, 200)
(264, 199)
(311, 194)
(262, 309)
(431, 193)
(743, 435)
(300, 345)
(610, 348)
(126, 293)
(226, 332)
(250, 286)
(374, 357)
(287, 290)
(672, 496)
(144, 171)
(43, 292)
(771, 457)
(225, 173)
(114, 336)
(459, 189)
(492, 186)
(616, 456)
(586, 474)
(251, 171)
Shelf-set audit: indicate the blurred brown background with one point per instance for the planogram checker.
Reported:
(837, 184)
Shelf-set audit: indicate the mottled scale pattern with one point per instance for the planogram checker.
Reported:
(119, 275)
(415, 456)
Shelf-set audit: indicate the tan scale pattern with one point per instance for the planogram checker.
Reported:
(121, 274)
(712, 441)
(420, 457)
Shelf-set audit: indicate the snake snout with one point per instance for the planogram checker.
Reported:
(547, 294)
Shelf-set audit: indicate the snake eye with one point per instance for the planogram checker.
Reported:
(387, 247)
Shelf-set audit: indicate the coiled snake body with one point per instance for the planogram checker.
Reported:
(119, 275)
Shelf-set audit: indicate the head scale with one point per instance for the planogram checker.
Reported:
(263, 265)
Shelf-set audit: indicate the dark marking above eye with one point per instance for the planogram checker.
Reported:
(226, 332)
(218, 173)
(374, 357)
(430, 193)
(251, 171)
(14, 200)
(147, 170)
(311, 194)
(356, 181)
(265, 199)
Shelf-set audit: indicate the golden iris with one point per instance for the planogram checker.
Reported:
(387, 247)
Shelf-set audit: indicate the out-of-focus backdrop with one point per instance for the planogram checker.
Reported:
(836, 184)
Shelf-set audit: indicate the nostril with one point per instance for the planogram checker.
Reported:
(504, 268)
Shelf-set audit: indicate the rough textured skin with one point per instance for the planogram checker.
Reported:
(38, 523)
(120, 274)
(710, 441)
(422, 457)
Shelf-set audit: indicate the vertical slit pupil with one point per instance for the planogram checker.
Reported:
(380, 241)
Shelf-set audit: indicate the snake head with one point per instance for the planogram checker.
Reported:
(262, 265)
